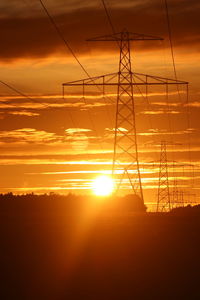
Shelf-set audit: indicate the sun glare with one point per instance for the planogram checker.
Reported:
(103, 186)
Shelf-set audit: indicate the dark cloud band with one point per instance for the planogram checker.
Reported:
(35, 37)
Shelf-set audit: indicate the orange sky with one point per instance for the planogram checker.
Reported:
(49, 143)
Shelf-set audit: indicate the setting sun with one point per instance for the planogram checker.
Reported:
(103, 186)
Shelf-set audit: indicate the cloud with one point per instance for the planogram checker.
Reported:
(77, 130)
(193, 104)
(29, 135)
(52, 101)
(27, 8)
(33, 36)
(78, 139)
(152, 132)
(24, 113)
(120, 129)
(160, 112)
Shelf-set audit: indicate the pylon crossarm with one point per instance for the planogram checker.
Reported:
(127, 36)
(92, 80)
(137, 79)
(164, 80)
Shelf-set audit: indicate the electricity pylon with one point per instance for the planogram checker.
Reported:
(167, 200)
(125, 157)
(163, 200)
(177, 195)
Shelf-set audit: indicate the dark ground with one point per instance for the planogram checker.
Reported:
(121, 255)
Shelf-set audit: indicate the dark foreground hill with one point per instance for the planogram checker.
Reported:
(49, 252)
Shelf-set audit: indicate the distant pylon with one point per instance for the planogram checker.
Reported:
(175, 193)
(163, 200)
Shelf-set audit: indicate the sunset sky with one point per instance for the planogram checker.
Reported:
(52, 144)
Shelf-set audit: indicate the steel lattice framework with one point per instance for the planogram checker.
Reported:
(163, 202)
(125, 142)
(125, 157)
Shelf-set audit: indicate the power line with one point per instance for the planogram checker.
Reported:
(29, 98)
(110, 20)
(21, 93)
(170, 37)
(62, 38)
(70, 50)
(175, 74)
(15, 90)
(108, 16)
(171, 45)
(173, 61)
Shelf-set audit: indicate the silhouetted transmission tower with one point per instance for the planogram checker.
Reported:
(163, 202)
(125, 158)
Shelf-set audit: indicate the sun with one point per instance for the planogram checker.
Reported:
(103, 186)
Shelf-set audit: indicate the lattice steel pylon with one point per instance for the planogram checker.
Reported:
(125, 165)
(163, 200)
(175, 193)
(125, 142)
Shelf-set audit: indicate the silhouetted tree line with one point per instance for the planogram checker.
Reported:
(115, 258)
(68, 203)
(187, 210)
